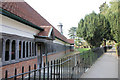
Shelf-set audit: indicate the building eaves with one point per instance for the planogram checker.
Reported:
(17, 18)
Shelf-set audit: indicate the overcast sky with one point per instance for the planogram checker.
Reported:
(67, 12)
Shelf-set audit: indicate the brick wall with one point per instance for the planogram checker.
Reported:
(10, 68)
(54, 56)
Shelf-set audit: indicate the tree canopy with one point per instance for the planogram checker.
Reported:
(112, 13)
(104, 25)
(94, 28)
(72, 32)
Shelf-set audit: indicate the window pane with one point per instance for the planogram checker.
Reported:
(27, 49)
(7, 50)
(24, 49)
(30, 47)
(13, 50)
(33, 49)
(20, 49)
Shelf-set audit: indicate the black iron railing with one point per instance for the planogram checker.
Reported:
(68, 67)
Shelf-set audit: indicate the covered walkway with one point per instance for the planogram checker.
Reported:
(105, 67)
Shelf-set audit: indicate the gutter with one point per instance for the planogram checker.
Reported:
(19, 19)
(36, 36)
(63, 40)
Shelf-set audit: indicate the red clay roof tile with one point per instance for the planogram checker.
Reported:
(23, 10)
(46, 31)
(71, 41)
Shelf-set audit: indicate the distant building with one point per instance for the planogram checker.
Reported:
(28, 38)
(81, 43)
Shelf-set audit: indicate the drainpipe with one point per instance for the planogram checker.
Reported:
(46, 52)
(65, 48)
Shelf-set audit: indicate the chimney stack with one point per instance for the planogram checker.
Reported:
(60, 28)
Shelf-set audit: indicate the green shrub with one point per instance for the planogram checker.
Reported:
(118, 48)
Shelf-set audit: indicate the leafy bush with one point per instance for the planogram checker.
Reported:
(117, 44)
(118, 48)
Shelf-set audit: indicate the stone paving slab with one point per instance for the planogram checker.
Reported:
(105, 67)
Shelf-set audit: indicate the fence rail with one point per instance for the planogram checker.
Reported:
(68, 67)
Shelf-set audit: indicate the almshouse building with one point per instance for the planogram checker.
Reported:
(27, 38)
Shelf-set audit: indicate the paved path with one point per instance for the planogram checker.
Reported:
(119, 67)
(105, 67)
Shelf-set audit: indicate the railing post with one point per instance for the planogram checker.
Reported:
(61, 69)
(85, 60)
(80, 66)
(23, 72)
(51, 71)
(88, 62)
(48, 71)
(15, 73)
(54, 69)
(44, 72)
(57, 70)
(73, 72)
(92, 57)
(40, 71)
(77, 67)
(67, 67)
(34, 71)
(6, 75)
(29, 72)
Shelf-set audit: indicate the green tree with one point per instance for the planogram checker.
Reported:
(112, 14)
(93, 28)
(72, 32)
(103, 8)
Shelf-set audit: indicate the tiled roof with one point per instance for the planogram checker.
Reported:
(59, 35)
(23, 10)
(46, 31)
(71, 41)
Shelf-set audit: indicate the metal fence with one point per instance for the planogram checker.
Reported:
(68, 67)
